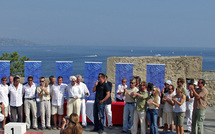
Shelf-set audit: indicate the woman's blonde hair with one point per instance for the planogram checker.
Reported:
(74, 126)
(181, 89)
(156, 95)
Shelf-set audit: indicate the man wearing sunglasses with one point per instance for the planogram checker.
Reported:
(128, 114)
(29, 91)
(200, 103)
(102, 94)
(43, 93)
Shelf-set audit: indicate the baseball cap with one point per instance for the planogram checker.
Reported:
(195, 83)
(168, 82)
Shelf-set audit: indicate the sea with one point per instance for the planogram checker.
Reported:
(80, 54)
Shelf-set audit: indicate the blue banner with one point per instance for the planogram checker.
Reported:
(123, 70)
(33, 68)
(92, 70)
(4, 69)
(64, 69)
(156, 75)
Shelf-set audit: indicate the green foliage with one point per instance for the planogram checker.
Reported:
(16, 63)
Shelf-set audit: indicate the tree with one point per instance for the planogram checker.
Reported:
(16, 63)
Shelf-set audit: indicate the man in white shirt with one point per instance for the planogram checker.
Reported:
(57, 92)
(189, 110)
(4, 97)
(29, 91)
(10, 80)
(43, 93)
(85, 92)
(74, 93)
(168, 109)
(16, 108)
(120, 90)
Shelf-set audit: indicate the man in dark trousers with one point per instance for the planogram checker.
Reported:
(108, 106)
(102, 94)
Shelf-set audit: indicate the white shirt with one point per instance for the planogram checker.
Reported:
(152, 106)
(189, 104)
(120, 89)
(30, 92)
(128, 97)
(4, 91)
(84, 90)
(74, 91)
(167, 107)
(57, 92)
(15, 95)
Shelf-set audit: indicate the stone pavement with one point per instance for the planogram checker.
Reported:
(209, 126)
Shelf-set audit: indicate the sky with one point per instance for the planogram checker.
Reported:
(111, 22)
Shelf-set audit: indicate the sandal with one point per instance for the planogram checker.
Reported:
(59, 128)
(54, 128)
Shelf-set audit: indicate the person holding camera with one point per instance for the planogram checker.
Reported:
(73, 125)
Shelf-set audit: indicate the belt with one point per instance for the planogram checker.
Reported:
(45, 100)
(130, 102)
(30, 98)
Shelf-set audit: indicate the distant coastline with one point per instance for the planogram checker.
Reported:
(16, 42)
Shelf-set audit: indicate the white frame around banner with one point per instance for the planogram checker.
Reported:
(92, 62)
(4, 60)
(124, 63)
(156, 64)
(65, 61)
(32, 61)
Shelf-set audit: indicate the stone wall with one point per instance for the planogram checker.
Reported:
(185, 67)
(209, 76)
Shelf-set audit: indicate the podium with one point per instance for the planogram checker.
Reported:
(15, 128)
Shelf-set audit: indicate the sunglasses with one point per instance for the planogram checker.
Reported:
(4, 80)
(42, 81)
(131, 83)
(124, 81)
(30, 80)
(73, 81)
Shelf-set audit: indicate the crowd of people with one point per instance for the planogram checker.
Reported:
(143, 102)
(146, 103)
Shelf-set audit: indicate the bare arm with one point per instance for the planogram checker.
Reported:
(182, 100)
(191, 89)
(130, 94)
(157, 105)
(196, 95)
(94, 88)
(170, 101)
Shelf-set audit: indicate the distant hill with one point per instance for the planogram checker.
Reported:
(15, 42)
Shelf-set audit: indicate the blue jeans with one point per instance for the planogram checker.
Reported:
(152, 117)
(128, 116)
(98, 112)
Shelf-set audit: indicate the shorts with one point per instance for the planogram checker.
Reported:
(5, 111)
(179, 118)
(168, 118)
(160, 110)
(57, 110)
